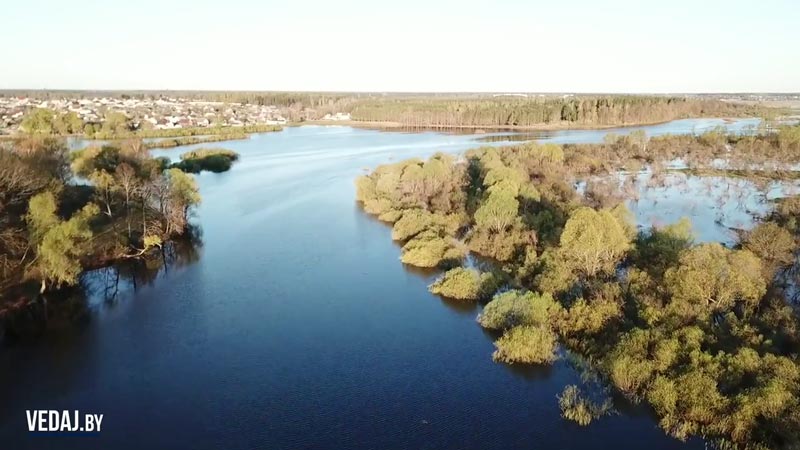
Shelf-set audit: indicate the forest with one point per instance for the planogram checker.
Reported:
(509, 112)
(62, 213)
(706, 336)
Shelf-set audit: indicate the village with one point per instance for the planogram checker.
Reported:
(149, 114)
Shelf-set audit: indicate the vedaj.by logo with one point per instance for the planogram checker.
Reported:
(64, 422)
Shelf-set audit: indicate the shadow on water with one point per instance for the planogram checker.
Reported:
(70, 308)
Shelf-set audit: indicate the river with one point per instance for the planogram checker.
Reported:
(297, 327)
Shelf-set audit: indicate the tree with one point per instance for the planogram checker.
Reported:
(773, 244)
(711, 278)
(115, 124)
(105, 188)
(639, 139)
(514, 308)
(660, 248)
(59, 243)
(526, 344)
(498, 211)
(182, 195)
(68, 123)
(39, 121)
(595, 241)
(125, 178)
(464, 284)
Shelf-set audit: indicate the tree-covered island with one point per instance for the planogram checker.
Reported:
(707, 335)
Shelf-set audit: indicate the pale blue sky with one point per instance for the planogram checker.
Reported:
(405, 45)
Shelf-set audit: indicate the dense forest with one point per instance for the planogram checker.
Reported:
(707, 335)
(545, 111)
(63, 212)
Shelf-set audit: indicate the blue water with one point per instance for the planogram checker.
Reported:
(297, 328)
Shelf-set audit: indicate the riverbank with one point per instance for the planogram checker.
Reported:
(660, 315)
(296, 304)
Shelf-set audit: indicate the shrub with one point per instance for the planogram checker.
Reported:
(201, 153)
(575, 406)
(412, 222)
(595, 241)
(526, 344)
(377, 206)
(712, 278)
(212, 159)
(464, 284)
(589, 316)
(391, 216)
(773, 244)
(365, 189)
(514, 308)
(430, 249)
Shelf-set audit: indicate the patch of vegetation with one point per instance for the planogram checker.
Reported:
(530, 112)
(577, 407)
(464, 284)
(526, 344)
(700, 332)
(215, 160)
(193, 140)
(514, 308)
(51, 229)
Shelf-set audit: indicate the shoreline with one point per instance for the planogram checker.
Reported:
(481, 129)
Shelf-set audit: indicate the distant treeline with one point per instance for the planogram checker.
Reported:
(530, 112)
(461, 110)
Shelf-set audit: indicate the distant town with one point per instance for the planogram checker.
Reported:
(152, 114)
(149, 112)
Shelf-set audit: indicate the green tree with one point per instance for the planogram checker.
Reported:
(182, 195)
(514, 308)
(594, 241)
(660, 248)
(773, 244)
(39, 121)
(498, 211)
(464, 284)
(527, 345)
(711, 278)
(60, 244)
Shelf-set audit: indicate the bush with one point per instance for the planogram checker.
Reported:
(430, 249)
(589, 317)
(579, 409)
(526, 344)
(215, 160)
(514, 308)
(464, 284)
(412, 222)
(201, 153)
(773, 244)
(391, 215)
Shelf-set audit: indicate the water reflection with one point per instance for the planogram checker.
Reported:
(298, 312)
(72, 307)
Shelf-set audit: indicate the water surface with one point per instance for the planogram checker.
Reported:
(297, 327)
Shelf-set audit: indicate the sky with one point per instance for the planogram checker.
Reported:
(668, 46)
